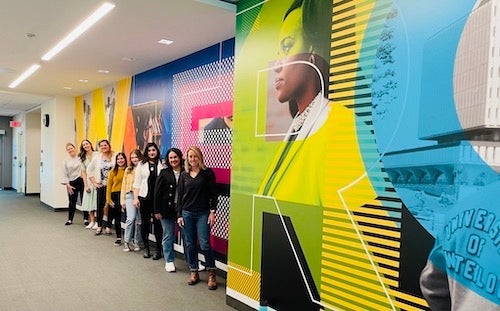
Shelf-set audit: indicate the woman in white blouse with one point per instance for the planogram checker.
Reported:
(98, 171)
(144, 185)
(73, 180)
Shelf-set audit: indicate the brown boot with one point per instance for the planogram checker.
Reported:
(212, 282)
(195, 277)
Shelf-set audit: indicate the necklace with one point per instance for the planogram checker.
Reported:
(299, 119)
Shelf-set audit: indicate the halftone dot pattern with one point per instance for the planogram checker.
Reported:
(194, 89)
(221, 227)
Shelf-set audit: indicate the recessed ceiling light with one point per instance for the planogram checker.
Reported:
(165, 41)
(83, 80)
(67, 88)
(103, 71)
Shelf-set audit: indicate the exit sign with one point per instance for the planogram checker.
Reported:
(15, 123)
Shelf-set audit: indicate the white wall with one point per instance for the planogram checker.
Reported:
(60, 131)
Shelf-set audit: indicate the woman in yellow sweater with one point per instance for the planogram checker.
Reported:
(113, 190)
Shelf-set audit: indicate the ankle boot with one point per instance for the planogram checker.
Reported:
(146, 254)
(158, 253)
(212, 282)
(195, 277)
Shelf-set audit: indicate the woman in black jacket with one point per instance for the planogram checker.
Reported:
(165, 201)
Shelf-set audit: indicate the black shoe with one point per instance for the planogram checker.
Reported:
(157, 256)
(86, 222)
(146, 254)
(69, 222)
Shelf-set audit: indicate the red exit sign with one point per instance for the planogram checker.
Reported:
(15, 123)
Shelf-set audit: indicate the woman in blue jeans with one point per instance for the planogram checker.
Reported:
(133, 222)
(196, 204)
(165, 201)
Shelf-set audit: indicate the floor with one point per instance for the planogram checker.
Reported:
(45, 265)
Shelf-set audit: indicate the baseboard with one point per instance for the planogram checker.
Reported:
(238, 305)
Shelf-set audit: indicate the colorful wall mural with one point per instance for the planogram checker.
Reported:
(364, 131)
(183, 103)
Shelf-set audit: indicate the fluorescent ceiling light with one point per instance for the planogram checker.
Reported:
(86, 24)
(165, 41)
(24, 75)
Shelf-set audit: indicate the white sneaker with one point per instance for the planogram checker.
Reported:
(200, 266)
(90, 225)
(169, 267)
(126, 247)
(136, 247)
(95, 226)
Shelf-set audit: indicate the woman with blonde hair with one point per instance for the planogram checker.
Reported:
(132, 224)
(72, 179)
(196, 205)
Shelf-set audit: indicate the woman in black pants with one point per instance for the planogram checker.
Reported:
(72, 179)
(144, 185)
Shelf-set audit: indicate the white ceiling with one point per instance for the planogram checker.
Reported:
(130, 30)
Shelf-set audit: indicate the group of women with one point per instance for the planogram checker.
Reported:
(152, 193)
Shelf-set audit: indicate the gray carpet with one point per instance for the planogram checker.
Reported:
(45, 265)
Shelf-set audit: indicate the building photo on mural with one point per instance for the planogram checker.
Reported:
(364, 164)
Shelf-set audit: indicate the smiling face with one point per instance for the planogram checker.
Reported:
(120, 160)
(134, 158)
(292, 79)
(152, 152)
(86, 146)
(173, 160)
(193, 159)
(70, 149)
(104, 147)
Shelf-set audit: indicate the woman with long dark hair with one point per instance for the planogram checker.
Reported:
(115, 179)
(143, 188)
(89, 199)
(165, 201)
